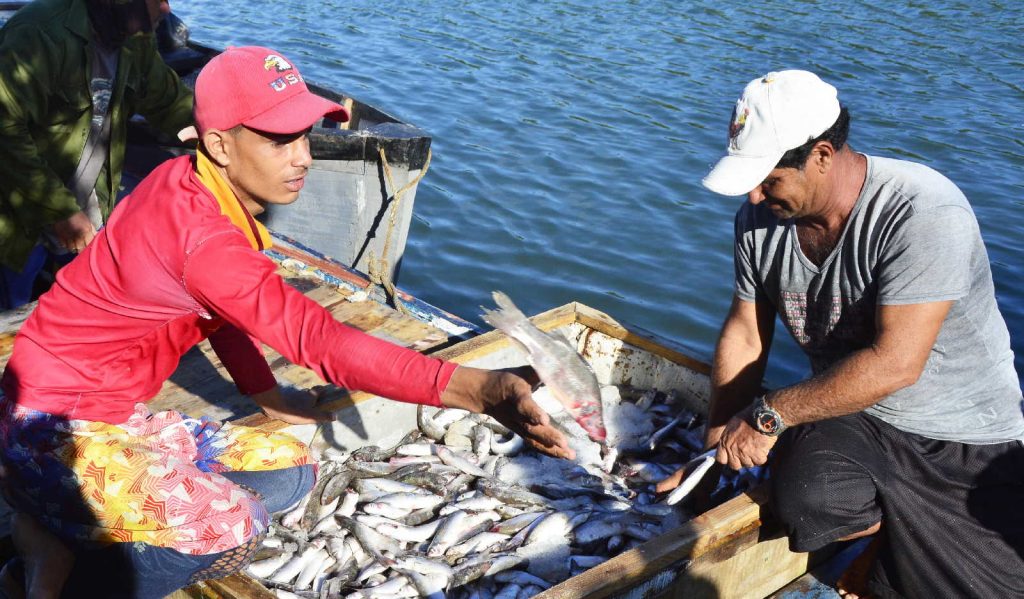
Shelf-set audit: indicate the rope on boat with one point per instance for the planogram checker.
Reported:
(379, 269)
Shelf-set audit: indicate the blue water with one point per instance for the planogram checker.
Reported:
(569, 140)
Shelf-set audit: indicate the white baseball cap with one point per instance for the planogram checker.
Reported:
(776, 113)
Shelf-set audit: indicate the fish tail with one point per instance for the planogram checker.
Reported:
(507, 317)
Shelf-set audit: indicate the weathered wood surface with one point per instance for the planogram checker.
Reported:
(236, 586)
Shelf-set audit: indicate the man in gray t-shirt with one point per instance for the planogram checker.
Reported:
(910, 425)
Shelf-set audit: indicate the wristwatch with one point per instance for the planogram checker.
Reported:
(766, 419)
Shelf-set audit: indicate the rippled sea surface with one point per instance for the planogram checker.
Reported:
(569, 140)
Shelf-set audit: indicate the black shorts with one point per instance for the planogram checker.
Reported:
(952, 514)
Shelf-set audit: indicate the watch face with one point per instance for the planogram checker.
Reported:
(767, 422)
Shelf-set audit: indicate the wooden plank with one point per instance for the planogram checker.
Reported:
(195, 591)
(235, 586)
(633, 335)
(239, 586)
(694, 539)
(762, 567)
(11, 320)
(10, 323)
(323, 265)
(348, 106)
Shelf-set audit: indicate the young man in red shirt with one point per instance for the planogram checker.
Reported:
(161, 498)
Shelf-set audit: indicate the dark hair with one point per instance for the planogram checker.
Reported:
(114, 21)
(835, 135)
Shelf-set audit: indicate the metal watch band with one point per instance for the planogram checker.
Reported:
(766, 419)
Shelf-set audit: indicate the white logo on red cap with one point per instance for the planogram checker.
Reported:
(273, 61)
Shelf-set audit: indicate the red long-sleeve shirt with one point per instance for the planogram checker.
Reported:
(176, 264)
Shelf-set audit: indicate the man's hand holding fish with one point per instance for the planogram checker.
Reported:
(508, 399)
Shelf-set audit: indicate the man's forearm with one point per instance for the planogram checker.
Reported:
(855, 383)
(736, 375)
(739, 363)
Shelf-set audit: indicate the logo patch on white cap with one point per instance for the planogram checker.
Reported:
(739, 119)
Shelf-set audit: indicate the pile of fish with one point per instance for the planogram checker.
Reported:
(460, 508)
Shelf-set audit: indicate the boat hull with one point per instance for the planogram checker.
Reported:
(349, 209)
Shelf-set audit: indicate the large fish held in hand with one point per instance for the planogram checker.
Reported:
(558, 364)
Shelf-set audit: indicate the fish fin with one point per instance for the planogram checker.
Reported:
(507, 317)
(505, 303)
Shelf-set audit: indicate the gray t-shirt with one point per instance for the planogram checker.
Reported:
(911, 238)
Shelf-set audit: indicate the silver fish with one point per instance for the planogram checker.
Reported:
(387, 510)
(411, 534)
(511, 446)
(521, 578)
(448, 534)
(472, 504)
(365, 469)
(335, 486)
(554, 526)
(391, 587)
(511, 494)
(294, 566)
(371, 488)
(703, 464)
(602, 528)
(447, 417)
(313, 566)
(264, 568)
(370, 540)
(429, 586)
(455, 460)
(417, 449)
(370, 571)
(557, 363)
(502, 563)
(684, 416)
(457, 527)
(425, 565)
(327, 570)
(482, 438)
(427, 425)
(513, 525)
(410, 501)
(475, 544)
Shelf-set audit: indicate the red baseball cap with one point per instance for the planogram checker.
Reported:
(259, 88)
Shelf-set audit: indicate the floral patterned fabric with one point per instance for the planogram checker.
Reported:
(154, 479)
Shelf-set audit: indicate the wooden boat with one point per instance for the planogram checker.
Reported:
(357, 204)
(733, 550)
